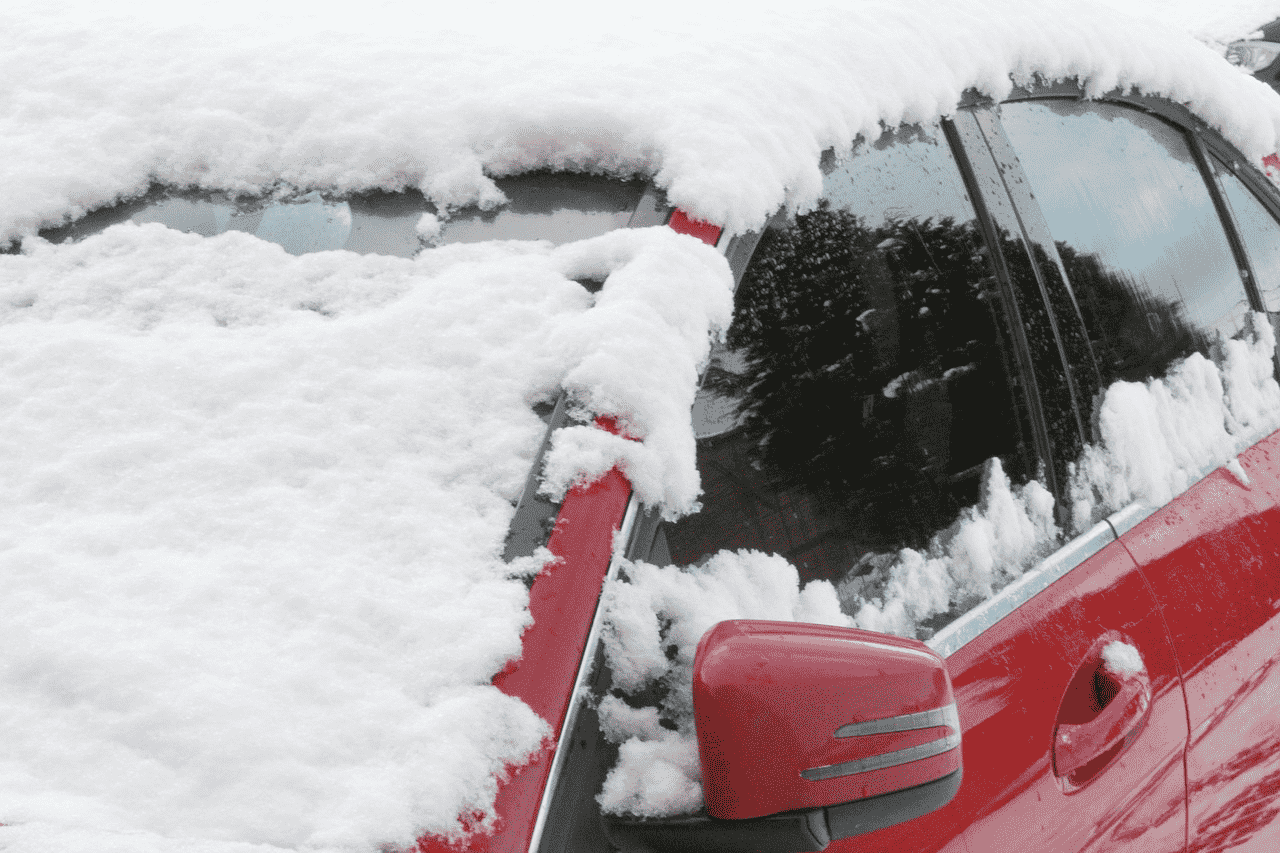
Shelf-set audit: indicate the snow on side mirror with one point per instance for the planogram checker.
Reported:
(808, 734)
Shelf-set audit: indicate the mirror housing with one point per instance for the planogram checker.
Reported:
(808, 734)
(795, 716)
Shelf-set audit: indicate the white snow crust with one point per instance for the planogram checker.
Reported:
(1156, 440)
(1161, 436)
(254, 509)
(254, 503)
(1120, 658)
(727, 112)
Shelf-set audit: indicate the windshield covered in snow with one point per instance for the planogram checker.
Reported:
(555, 206)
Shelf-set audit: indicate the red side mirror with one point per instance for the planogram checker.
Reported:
(808, 734)
(794, 716)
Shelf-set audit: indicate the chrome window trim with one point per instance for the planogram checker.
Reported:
(1124, 520)
(957, 634)
(968, 627)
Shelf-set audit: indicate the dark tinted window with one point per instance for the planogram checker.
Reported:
(1136, 229)
(865, 380)
(559, 207)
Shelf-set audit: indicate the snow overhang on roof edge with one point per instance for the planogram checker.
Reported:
(728, 114)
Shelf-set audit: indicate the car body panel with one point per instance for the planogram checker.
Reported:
(1213, 559)
(1010, 683)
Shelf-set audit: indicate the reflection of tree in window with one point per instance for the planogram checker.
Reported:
(1135, 332)
(875, 390)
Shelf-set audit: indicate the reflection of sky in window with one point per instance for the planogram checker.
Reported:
(1259, 232)
(905, 174)
(1122, 185)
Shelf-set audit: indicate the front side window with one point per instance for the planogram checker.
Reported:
(864, 451)
(865, 379)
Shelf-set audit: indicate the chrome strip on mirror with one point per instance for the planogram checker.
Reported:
(888, 759)
(946, 716)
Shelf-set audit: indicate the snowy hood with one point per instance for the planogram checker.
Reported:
(727, 112)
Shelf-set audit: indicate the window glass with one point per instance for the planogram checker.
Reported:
(864, 383)
(1259, 231)
(559, 207)
(1136, 229)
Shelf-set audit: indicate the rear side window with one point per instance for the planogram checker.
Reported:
(1136, 229)
(1258, 231)
(865, 382)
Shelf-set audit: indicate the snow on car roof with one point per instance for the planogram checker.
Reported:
(254, 502)
(727, 112)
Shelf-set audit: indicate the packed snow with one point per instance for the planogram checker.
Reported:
(1161, 436)
(656, 616)
(255, 502)
(1122, 659)
(728, 113)
(255, 505)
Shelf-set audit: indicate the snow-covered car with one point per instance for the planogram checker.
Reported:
(850, 428)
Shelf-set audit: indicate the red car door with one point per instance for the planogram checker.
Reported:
(1022, 684)
(1213, 556)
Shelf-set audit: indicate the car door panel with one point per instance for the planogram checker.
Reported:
(1010, 683)
(1213, 559)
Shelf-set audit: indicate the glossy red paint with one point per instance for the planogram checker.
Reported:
(1213, 559)
(769, 697)
(704, 231)
(1010, 684)
(562, 603)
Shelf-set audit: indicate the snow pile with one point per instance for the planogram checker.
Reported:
(728, 113)
(988, 546)
(1121, 659)
(1161, 436)
(254, 509)
(655, 618)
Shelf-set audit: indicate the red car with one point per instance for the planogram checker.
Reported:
(987, 555)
